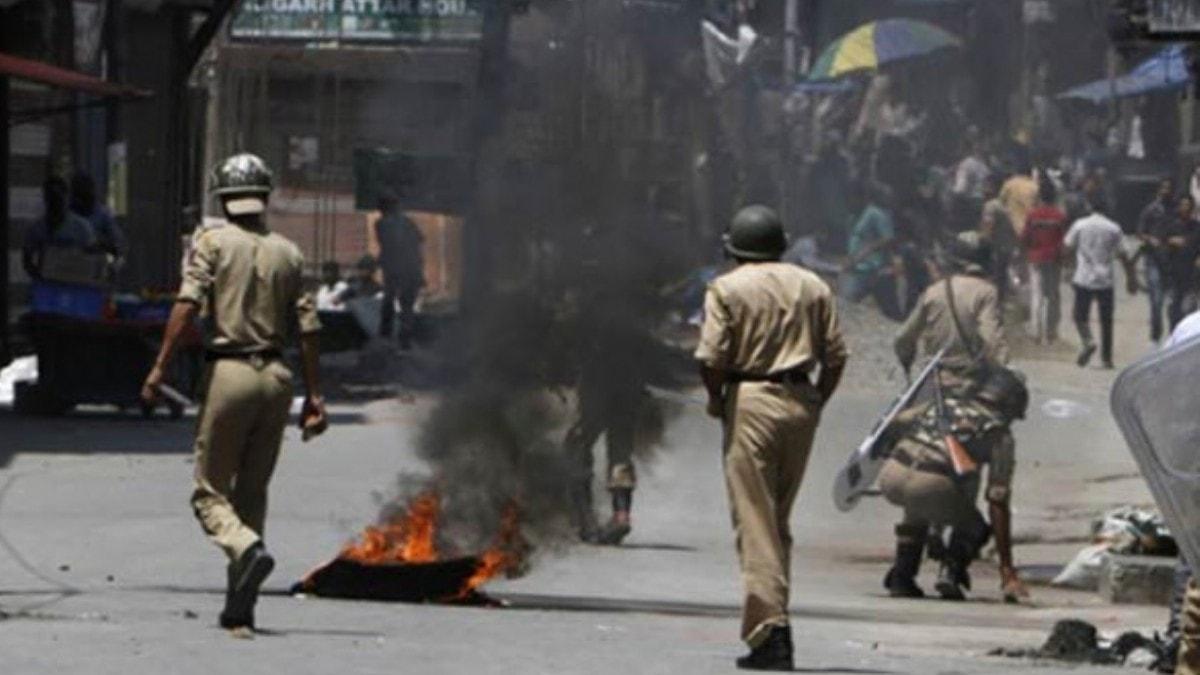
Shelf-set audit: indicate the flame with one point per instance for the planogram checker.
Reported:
(408, 539)
(503, 555)
(411, 538)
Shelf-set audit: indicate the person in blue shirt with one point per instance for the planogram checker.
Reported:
(871, 260)
(85, 203)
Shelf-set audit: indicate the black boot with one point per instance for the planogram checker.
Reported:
(775, 653)
(954, 579)
(245, 575)
(900, 581)
(584, 516)
(619, 526)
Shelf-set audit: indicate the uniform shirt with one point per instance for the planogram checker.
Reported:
(252, 284)
(768, 318)
(931, 326)
(1096, 241)
(1044, 232)
(981, 431)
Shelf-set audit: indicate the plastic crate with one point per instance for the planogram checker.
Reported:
(82, 302)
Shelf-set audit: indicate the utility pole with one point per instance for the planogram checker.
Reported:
(5, 344)
(488, 117)
(791, 37)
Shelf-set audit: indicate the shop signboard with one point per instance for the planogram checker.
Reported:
(380, 21)
(1174, 17)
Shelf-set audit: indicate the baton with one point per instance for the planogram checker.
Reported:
(172, 394)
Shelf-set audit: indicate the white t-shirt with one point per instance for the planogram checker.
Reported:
(1186, 330)
(1096, 241)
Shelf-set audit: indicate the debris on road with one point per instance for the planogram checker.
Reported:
(1123, 531)
(1076, 641)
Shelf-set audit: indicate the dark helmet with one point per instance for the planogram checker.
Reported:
(756, 234)
(969, 252)
(241, 175)
(1004, 390)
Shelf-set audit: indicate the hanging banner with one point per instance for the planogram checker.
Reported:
(359, 20)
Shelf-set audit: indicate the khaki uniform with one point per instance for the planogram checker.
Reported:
(919, 476)
(760, 320)
(1189, 632)
(931, 326)
(251, 283)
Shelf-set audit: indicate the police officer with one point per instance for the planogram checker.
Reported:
(769, 329)
(961, 313)
(920, 477)
(250, 279)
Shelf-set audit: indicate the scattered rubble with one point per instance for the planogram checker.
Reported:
(1127, 531)
(1076, 641)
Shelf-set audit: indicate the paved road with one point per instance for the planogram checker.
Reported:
(102, 569)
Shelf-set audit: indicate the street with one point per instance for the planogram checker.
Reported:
(104, 570)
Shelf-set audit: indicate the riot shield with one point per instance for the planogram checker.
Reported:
(1156, 403)
(864, 465)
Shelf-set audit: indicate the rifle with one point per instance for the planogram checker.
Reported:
(964, 464)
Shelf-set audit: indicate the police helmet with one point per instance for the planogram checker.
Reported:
(1004, 390)
(756, 234)
(242, 182)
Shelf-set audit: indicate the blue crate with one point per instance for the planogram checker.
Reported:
(82, 302)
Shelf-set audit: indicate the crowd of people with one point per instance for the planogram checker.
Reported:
(889, 193)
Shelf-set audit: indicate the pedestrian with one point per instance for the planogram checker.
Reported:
(1096, 241)
(959, 314)
(403, 268)
(999, 233)
(769, 327)
(110, 238)
(59, 228)
(1042, 239)
(1152, 225)
(334, 290)
(1180, 244)
(251, 280)
(872, 264)
(970, 182)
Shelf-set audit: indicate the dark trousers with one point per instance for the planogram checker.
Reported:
(396, 290)
(1156, 293)
(1105, 298)
(1180, 300)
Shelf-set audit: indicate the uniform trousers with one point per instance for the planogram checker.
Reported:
(617, 420)
(1189, 632)
(238, 436)
(928, 497)
(769, 430)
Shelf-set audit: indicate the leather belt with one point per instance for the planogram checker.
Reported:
(923, 466)
(793, 376)
(260, 356)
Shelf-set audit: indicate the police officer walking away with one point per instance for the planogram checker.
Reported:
(769, 327)
(250, 279)
(403, 272)
(981, 398)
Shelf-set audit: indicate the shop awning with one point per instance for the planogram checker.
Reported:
(1166, 71)
(62, 78)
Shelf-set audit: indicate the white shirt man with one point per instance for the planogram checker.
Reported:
(1096, 241)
